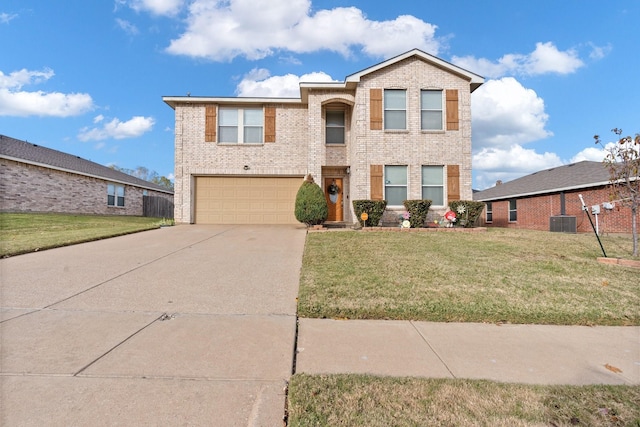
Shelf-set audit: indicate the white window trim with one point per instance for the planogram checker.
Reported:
(405, 186)
(240, 126)
(442, 112)
(432, 186)
(115, 195)
(515, 202)
(385, 109)
(489, 211)
(344, 128)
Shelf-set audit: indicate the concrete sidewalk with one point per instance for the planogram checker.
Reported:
(532, 354)
(188, 325)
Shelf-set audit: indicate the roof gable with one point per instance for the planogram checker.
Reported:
(568, 177)
(26, 152)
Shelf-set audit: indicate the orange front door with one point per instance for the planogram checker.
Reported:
(333, 193)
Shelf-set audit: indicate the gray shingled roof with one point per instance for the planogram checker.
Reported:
(17, 150)
(562, 178)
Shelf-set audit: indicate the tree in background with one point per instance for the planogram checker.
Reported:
(623, 161)
(146, 175)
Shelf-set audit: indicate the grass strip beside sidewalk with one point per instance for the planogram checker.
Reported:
(28, 232)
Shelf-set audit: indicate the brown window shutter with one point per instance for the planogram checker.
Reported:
(453, 182)
(376, 182)
(270, 124)
(210, 125)
(375, 109)
(452, 110)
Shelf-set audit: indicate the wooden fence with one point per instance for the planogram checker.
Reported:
(157, 207)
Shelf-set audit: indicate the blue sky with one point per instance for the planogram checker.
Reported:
(87, 77)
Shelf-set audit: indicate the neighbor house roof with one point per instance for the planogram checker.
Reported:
(33, 154)
(562, 178)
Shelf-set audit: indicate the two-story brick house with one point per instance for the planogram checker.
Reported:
(398, 130)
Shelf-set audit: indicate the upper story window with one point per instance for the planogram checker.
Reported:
(115, 195)
(489, 212)
(433, 184)
(240, 125)
(395, 109)
(513, 211)
(395, 185)
(334, 127)
(431, 109)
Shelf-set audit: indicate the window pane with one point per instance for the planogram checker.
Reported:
(395, 195)
(335, 135)
(335, 118)
(111, 189)
(111, 200)
(253, 135)
(431, 120)
(395, 175)
(432, 175)
(435, 194)
(395, 119)
(228, 117)
(395, 99)
(431, 99)
(253, 117)
(120, 191)
(228, 134)
(120, 201)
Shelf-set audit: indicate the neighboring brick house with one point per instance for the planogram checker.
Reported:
(398, 130)
(39, 179)
(549, 200)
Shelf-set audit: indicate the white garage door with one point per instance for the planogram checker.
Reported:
(243, 200)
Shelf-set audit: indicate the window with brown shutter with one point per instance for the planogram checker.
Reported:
(210, 124)
(452, 110)
(376, 182)
(375, 109)
(270, 124)
(453, 182)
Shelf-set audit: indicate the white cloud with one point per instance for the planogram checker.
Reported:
(507, 113)
(593, 154)
(599, 52)
(545, 59)
(6, 17)
(223, 30)
(157, 7)
(260, 83)
(506, 164)
(16, 102)
(116, 129)
(127, 27)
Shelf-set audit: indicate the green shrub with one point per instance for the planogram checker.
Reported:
(373, 208)
(311, 206)
(467, 211)
(418, 210)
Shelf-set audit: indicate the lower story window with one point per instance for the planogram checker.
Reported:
(395, 185)
(489, 217)
(433, 184)
(513, 211)
(115, 195)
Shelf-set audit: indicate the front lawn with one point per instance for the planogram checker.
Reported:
(28, 232)
(502, 275)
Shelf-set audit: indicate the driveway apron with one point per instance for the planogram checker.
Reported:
(187, 325)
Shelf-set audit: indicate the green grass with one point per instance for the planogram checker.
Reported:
(502, 275)
(368, 401)
(28, 232)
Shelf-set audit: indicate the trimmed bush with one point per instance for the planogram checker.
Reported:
(373, 208)
(471, 212)
(418, 211)
(311, 206)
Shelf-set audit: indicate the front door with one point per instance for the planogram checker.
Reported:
(333, 193)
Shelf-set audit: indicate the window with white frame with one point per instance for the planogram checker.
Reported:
(489, 212)
(395, 109)
(240, 125)
(431, 109)
(115, 195)
(513, 210)
(395, 185)
(433, 184)
(334, 127)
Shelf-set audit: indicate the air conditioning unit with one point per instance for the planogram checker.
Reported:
(563, 224)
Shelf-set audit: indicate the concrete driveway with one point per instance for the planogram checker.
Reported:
(187, 325)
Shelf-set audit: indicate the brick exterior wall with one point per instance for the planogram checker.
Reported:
(300, 146)
(30, 188)
(534, 212)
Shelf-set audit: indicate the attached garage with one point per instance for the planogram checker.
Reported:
(245, 200)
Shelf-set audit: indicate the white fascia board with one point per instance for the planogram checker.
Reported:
(172, 101)
(549, 191)
(102, 178)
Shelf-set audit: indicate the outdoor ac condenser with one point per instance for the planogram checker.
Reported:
(563, 224)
